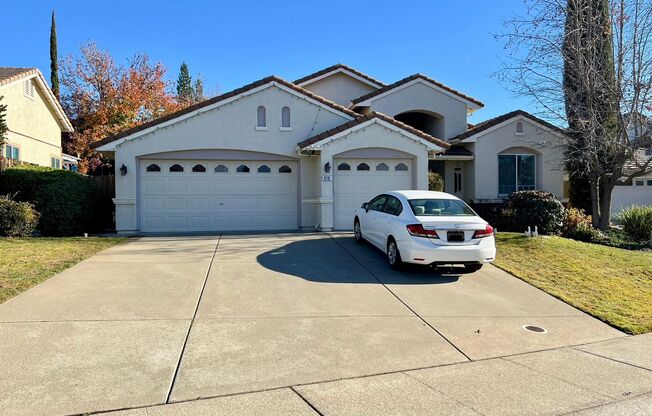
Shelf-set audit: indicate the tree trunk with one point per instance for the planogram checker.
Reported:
(594, 188)
(605, 205)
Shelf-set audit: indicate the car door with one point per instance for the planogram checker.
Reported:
(387, 219)
(373, 218)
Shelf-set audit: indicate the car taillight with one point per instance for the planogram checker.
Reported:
(488, 231)
(417, 230)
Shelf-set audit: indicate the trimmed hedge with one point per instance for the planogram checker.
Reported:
(69, 203)
(536, 208)
(17, 219)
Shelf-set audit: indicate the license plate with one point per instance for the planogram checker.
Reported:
(456, 236)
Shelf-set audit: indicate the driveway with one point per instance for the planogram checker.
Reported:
(305, 323)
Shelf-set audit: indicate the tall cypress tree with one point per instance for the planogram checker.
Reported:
(54, 64)
(185, 91)
(3, 122)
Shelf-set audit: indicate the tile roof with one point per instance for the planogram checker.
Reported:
(412, 78)
(9, 74)
(363, 118)
(223, 97)
(484, 125)
(336, 67)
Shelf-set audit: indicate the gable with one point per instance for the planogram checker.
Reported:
(339, 87)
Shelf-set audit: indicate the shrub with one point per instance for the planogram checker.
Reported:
(17, 219)
(435, 182)
(578, 226)
(536, 208)
(69, 203)
(636, 221)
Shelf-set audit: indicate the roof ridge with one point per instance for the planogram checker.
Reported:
(17, 73)
(486, 124)
(336, 67)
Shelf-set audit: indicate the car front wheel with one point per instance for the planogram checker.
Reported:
(357, 232)
(393, 255)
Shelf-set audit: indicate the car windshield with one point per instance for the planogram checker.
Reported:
(440, 208)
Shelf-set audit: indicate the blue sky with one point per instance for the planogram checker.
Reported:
(233, 43)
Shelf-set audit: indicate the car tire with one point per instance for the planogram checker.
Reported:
(472, 268)
(357, 232)
(394, 255)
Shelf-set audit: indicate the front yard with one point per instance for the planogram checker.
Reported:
(26, 262)
(612, 284)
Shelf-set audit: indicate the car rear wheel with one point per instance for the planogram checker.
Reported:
(470, 268)
(394, 255)
(357, 232)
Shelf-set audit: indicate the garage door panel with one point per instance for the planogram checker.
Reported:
(153, 185)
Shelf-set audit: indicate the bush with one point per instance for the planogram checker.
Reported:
(536, 208)
(636, 221)
(69, 203)
(578, 226)
(17, 219)
(435, 182)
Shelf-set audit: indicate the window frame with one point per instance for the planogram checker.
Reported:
(348, 167)
(157, 169)
(384, 165)
(516, 129)
(396, 169)
(258, 169)
(215, 170)
(54, 161)
(516, 171)
(183, 169)
(284, 169)
(199, 167)
(14, 147)
(248, 169)
(286, 126)
(357, 167)
(261, 117)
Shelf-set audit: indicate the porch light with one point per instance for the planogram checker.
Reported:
(327, 167)
(123, 170)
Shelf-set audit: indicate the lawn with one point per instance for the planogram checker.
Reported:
(612, 284)
(26, 262)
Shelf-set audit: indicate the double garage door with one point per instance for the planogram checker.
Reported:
(214, 195)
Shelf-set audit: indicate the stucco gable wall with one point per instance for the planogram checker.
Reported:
(422, 97)
(340, 88)
(535, 140)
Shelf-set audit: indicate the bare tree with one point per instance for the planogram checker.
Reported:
(587, 64)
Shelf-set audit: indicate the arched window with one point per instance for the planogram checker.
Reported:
(362, 166)
(262, 116)
(519, 127)
(176, 168)
(153, 168)
(343, 166)
(285, 169)
(264, 169)
(401, 167)
(243, 169)
(285, 117)
(382, 166)
(221, 169)
(198, 168)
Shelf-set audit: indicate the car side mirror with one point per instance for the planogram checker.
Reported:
(365, 206)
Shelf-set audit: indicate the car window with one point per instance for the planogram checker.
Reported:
(394, 206)
(378, 203)
(441, 208)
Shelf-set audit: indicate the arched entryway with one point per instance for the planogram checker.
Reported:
(426, 121)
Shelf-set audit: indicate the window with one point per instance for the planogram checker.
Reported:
(378, 203)
(649, 182)
(12, 152)
(639, 182)
(519, 128)
(55, 163)
(362, 166)
(176, 168)
(394, 206)
(648, 151)
(198, 168)
(243, 169)
(457, 180)
(516, 173)
(262, 117)
(382, 166)
(264, 169)
(221, 169)
(153, 168)
(285, 169)
(401, 167)
(343, 166)
(441, 208)
(28, 88)
(285, 117)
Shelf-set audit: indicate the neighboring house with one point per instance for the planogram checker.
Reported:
(637, 191)
(34, 117)
(303, 155)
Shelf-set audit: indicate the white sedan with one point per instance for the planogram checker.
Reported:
(425, 227)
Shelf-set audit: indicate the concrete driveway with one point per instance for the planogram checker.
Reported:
(304, 323)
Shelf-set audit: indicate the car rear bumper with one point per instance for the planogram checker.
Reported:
(420, 250)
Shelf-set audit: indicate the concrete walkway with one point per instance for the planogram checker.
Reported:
(304, 324)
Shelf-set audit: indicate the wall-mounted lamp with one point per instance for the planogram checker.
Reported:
(327, 167)
(123, 170)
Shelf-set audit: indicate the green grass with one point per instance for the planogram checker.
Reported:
(26, 262)
(612, 284)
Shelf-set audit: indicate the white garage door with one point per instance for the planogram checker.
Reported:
(358, 180)
(209, 195)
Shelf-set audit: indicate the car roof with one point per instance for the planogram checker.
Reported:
(411, 194)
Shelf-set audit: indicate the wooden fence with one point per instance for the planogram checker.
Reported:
(106, 185)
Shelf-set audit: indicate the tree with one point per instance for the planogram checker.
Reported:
(588, 65)
(103, 98)
(3, 123)
(185, 91)
(199, 90)
(54, 57)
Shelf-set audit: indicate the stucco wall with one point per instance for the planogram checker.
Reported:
(625, 196)
(340, 88)
(421, 97)
(535, 140)
(33, 127)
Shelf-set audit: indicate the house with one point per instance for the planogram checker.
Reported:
(34, 117)
(276, 155)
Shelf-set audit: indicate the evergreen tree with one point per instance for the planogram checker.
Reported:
(54, 65)
(185, 91)
(3, 122)
(199, 90)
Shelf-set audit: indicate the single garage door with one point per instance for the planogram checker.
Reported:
(358, 180)
(214, 195)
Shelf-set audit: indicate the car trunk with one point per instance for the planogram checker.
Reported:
(453, 230)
